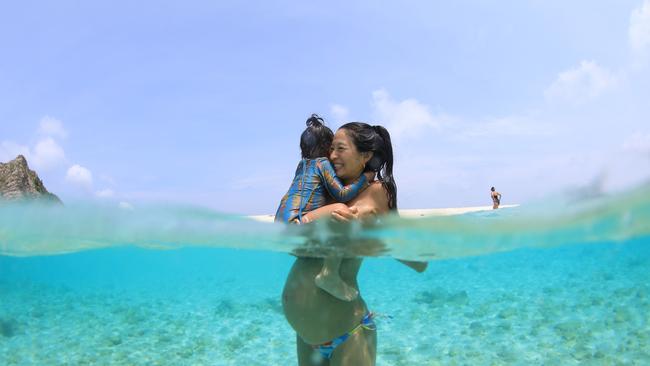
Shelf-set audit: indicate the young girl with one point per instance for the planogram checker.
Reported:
(307, 198)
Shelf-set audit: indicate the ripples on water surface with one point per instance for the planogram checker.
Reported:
(564, 283)
(34, 230)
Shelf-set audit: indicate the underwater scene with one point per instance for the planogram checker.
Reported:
(560, 283)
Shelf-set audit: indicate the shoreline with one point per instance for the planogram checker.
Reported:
(414, 213)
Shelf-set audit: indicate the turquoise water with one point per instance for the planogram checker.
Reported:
(563, 283)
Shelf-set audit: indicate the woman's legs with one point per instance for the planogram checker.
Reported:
(307, 355)
(358, 350)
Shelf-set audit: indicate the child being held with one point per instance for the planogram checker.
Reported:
(307, 198)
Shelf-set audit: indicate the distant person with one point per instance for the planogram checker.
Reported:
(496, 198)
(308, 197)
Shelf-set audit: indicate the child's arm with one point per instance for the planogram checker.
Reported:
(335, 187)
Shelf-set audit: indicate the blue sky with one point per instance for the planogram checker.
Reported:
(204, 102)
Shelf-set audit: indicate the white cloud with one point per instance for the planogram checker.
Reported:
(125, 206)
(406, 118)
(9, 150)
(108, 179)
(639, 30)
(50, 126)
(105, 193)
(638, 143)
(340, 113)
(79, 175)
(508, 126)
(410, 118)
(582, 83)
(47, 154)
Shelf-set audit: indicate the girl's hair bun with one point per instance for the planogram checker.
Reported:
(315, 121)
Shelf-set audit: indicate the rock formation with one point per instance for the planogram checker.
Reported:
(18, 182)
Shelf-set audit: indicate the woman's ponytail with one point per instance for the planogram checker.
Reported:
(385, 171)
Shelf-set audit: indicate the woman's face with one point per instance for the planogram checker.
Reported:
(347, 160)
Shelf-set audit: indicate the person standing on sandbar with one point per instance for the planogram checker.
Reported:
(496, 198)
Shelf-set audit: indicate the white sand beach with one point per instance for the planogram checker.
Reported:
(412, 213)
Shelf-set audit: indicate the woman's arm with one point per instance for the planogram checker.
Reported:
(347, 214)
(366, 208)
(322, 212)
(370, 203)
(419, 267)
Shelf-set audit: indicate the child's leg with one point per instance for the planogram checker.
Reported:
(330, 280)
(325, 211)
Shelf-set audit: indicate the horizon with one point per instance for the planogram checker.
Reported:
(204, 103)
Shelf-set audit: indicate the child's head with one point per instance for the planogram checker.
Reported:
(316, 140)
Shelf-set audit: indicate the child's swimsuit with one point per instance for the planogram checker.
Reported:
(326, 349)
(313, 180)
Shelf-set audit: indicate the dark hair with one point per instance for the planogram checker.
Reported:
(492, 189)
(316, 139)
(376, 139)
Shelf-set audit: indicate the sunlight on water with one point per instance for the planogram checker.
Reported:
(31, 229)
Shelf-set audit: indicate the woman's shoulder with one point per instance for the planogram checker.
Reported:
(379, 195)
(376, 187)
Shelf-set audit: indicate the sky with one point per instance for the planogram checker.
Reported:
(203, 102)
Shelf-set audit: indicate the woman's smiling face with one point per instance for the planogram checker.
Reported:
(348, 162)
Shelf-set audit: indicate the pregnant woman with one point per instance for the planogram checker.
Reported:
(330, 331)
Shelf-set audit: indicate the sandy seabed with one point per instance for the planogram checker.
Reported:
(564, 306)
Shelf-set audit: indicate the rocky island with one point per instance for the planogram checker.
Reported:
(18, 182)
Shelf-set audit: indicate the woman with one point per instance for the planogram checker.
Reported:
(330, 331)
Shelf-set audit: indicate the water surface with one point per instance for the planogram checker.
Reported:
(565, 283)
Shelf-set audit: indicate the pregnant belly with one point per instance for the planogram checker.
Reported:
(315, 315)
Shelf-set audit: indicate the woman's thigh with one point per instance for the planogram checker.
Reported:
(358, 350)
(307, 355)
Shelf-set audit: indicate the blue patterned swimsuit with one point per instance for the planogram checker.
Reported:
(314, 182)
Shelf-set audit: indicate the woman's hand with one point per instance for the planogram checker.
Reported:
(345, 214)
(348, 214)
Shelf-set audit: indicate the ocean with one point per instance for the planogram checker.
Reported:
(562, 282)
